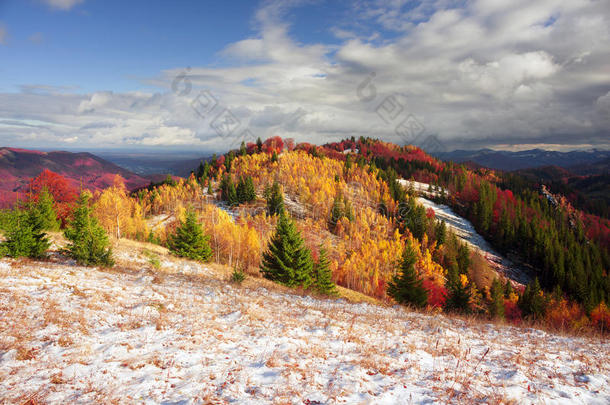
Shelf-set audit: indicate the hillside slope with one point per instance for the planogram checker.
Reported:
(18, 166)
(182, 334)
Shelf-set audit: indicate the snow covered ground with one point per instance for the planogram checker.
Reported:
(184, 335)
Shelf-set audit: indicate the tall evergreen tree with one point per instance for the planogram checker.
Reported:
(259, 145)
(441, 232)
(275, 199)
(406, 287)
(45, 211)
(323, 275)
(189, 240)
(25, 235)
(496, 307)
(88, 242)
(287, 261)
(242, 149)
(458, 295)
(531, 302)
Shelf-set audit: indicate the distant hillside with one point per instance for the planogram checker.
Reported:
(18, 166)
(505, 160)
(585, 186)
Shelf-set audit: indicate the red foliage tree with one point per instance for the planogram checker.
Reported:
(437, 294)
(64, 193)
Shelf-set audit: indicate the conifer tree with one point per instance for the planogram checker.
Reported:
(406, 286)
(242, 149)
(323, 275)
(496, 308)
(88, 242)
(441, 232)
(458, 295)
(508, 289)
(189, 240)
(287, 261)
(44, 209)
(250, 190)
(531, 301)
(275, 199)
(259, 144)
(25, 235)
(274, 157)
(210, 190)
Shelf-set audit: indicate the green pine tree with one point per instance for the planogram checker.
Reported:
(275, 199)
(189, 240)
(25, 235)
(508, 289)
(242, 149)
(458, 295)
(44, 209)
(250, 190)
(496, 307)
(88, 242)
(259, 145)
(406, 286)
(441, 232)
(323, 275)
(287, 261)
(531, 302)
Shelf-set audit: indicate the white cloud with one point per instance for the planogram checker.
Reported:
(487, 73)
(62, 4)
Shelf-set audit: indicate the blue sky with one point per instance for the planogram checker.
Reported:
(506, 74)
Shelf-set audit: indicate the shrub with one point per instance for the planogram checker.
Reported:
(238, 276)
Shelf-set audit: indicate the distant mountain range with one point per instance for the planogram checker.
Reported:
(18, 166)
(587, 162)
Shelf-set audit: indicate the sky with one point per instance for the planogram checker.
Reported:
(204, 75)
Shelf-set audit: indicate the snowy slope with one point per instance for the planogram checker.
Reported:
(132, 335)
(466, 232)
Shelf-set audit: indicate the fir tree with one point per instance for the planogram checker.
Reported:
(242, 149)
(323, 275)
(44, 209)
(406, 286)
(531, 301)
(336, 212)
(508, 289)
(441, 232)
(496, 308)
(274, 157)
(287, 261)
(25, 235)
(250, 190)
(458, 296)
(88, 241)
(259, 145)
(210, 190)
(189, 240)
(275, 199)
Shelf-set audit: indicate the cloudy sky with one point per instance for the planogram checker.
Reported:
(505, 74)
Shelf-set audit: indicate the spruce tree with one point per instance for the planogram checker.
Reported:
(25, 235)
(531, 301)
(508, 289)
(250, 190)
(44, 209)
(323, 275)
(406, 286)
(88, 242)
(287, 261)
(496, 307)
(275, 199)
(242, 149)
(189, 240)
(441, 232)
(458, 296)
